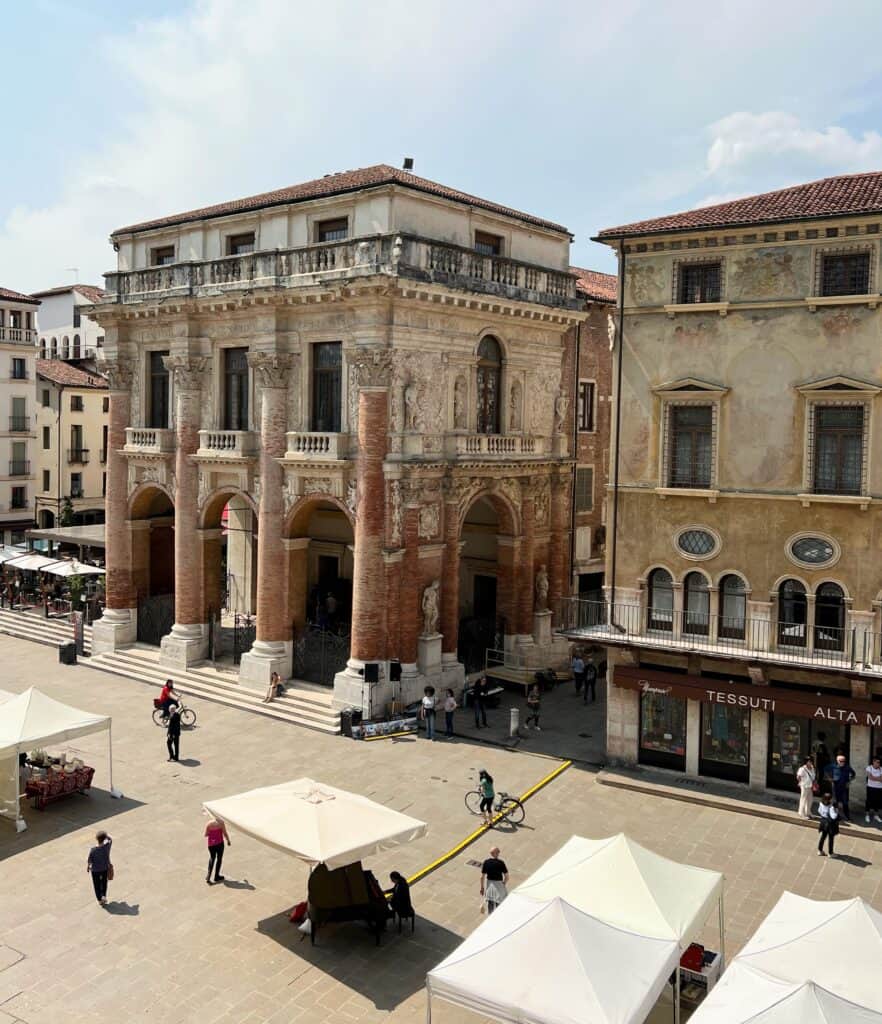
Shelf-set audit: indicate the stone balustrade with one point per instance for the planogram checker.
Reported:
(316, 445)
(493, 446)
(395, 255)
(149, 440)
(17, 335)
(228, 444)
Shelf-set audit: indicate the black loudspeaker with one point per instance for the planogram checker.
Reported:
(371, 671)
(395, 671)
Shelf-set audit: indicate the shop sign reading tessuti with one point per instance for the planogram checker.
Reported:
(801, 703)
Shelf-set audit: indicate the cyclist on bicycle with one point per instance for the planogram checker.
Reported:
(167, 697)
(485, 785)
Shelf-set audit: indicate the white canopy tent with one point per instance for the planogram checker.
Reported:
(317, 823)
(837, 944)
(30, 561)
(73, 568)
(548, 962)
(30, 720)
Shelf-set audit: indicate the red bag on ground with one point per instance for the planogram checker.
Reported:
(298, 913)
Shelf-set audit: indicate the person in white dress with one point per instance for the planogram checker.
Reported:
(805, 779)
(874, 790)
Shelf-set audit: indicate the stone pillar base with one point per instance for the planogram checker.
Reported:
(117, 627)
(351, 691)
(429, 654)
(184, 646)
(264, 658)
(542, 628)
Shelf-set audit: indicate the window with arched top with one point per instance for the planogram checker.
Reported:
(489, 385)
(76, 346)
(55, 348)
(43, 348)
(792, 614)
(65, 347)
(660, 608)
(696, 604)
(829, 617)
(733, 607)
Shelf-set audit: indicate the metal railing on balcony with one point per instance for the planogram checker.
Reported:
(19, 467)
(19, 424)
(18, 504)
(726, 636)
(78, 455)
(395, 255)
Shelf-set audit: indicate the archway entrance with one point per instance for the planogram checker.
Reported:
(321, 551)
(47, 519)
(482, 622)
(152, 521)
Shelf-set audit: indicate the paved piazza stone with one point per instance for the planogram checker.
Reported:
(171, 949)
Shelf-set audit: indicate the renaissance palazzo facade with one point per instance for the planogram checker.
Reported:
(344, 402)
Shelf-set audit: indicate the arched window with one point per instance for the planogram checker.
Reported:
(733, 607)
(661, 600)
(792, 613)
(829, 617)
(65, 347)
(43, 348)
(696, 604)
(55, 348)
(76, 346)
(489, 383)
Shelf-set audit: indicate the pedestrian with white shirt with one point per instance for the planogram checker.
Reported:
(427, 711)
(874, 790)
(807, 781)
(449, 708)
(828, 825)
(578, 666)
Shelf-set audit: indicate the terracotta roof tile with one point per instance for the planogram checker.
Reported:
(88, 291)
(846, 194)
(70, 376)
(9, 294)
(337, 184)
(595, 285)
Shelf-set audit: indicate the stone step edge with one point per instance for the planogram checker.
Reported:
(232, 685)
(617, 780)
(26, 617)
(36, 636)
(292, 716)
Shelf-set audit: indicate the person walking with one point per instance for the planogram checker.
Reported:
(841, 773)
(479, 697)
(806, 780)
(449, 708)
(99, 866)
(828, 824)
(578, 666)
(485, 785)
(589, 677)
(173, 734)
(215, 834)
(494, 876)
(427, 711)
(534, 707)
(874, 790)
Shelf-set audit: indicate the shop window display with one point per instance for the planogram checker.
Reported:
(725, 741)
(663, 730)
(792, 738)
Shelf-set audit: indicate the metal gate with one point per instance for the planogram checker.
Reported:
(156, 616)
(476, 637)
(244, 634)
(319, 654)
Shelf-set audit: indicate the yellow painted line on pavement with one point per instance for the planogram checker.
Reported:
(473, 836)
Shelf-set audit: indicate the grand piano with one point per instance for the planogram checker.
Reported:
(346, 894)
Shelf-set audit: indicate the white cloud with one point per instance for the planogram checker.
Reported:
(719, 197)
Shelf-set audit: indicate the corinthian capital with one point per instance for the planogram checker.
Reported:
(272, 369)
(119, 374)
(187, 371)
(371, 367)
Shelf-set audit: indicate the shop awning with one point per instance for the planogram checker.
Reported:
(7, 553)
(85, 536)
(73, 568)
(30, 561)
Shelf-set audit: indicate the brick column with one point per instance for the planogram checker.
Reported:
(559, 569)
(526, 574)
(118, 625)
(410, 612)
(273, 646)
(450, 583)
(188, 641)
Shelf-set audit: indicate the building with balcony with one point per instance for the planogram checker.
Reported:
(64, 331)
(17, 334)
(743, 618)
(71, 430)
(353, 389)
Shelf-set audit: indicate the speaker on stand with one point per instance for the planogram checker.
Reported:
(395, 680)
(371, 676)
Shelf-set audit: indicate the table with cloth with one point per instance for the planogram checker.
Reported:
(50, 785)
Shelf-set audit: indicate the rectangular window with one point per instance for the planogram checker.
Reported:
(76, 317)
(235, 389)
(238, 245)
(47, 401)
(47, 479)
(845, 274)
(700, 282)
(327, 363)
(487, 244)
(332, 230)
(19, 497)
(838, 449)
(99, 342)
(584, 490)
(19, 465)
(162, 256)
(690, 446)
(104, 431)
(77, 453)
(19, 369)
(76, 403)
(157, 398)
(47, 441)
(105, 405)
(725, 742)
(662, 731)
(586, 406)
(103, 485)
(76, 485)
(18, 421)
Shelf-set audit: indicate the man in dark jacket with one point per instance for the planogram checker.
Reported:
(173, 736)
(840, 773)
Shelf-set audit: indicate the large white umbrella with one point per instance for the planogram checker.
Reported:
(73, 568)
(317, 823)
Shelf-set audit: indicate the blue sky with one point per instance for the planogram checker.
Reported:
(591, 114)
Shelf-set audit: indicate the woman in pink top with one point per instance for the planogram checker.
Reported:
(215, 833)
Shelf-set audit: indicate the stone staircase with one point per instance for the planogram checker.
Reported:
(300, 705)
(35, 626)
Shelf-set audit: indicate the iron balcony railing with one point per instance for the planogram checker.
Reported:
(19, 424)
(797, 643)
(77, 456)
(19, 467)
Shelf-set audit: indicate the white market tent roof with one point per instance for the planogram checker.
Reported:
(317, 823)
(547, 962)
(73, 568)
(30, 561)
(6, 553)
(624, 884)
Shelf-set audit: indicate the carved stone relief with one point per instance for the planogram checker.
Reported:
(542, 401)
(515, 404)
(429, 521)
(396, 513)
(318, 485)
(541, 503)
(352, 495)
(460, 403)
(646, 285)
(271, 369)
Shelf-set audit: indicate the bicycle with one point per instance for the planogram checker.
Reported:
(506, 806)
(188, 715)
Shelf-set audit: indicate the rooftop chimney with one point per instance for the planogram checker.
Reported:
(408, 163)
